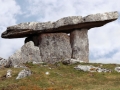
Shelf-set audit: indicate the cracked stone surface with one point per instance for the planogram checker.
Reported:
(66, 24)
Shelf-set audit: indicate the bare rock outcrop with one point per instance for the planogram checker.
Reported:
(27, 53)
(66, 24)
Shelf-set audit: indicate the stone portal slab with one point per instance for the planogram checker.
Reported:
(54, 47)
(80, 45)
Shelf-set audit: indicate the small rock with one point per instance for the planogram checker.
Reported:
(5, 63)
(16, 66)
(9, 73)
(91, 68)
(83, 67)
(34, 62)
(99, 70)
(117, 69)
(20, 66)
(101, 65)
(24, 73)
(49, 68)
(103, 70)
(73, 61)
(47, 73)
(66, 62)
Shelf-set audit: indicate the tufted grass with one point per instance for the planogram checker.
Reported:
(61, 77)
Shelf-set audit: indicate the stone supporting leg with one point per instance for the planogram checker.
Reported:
(80, 46)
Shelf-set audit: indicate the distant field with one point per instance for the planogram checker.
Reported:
(61, 77)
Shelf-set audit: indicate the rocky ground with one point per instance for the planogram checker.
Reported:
(79, 76)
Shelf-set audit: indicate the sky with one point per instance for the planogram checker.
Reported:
(104, 42)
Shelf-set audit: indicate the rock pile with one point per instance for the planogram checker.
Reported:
(49, 41)
(91, 68)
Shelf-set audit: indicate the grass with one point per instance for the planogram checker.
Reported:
(61, 77)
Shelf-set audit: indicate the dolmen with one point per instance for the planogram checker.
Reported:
(52, 42)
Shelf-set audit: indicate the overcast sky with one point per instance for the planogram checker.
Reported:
(104, 42)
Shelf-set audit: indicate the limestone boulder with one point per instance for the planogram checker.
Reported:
(28, 53)
(54, 47)
(66, 24)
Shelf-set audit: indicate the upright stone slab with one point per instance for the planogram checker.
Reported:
(54, 47)
(80, 45)
(27, 53)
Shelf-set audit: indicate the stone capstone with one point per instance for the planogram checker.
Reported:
(27, 53)
(66, 24)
